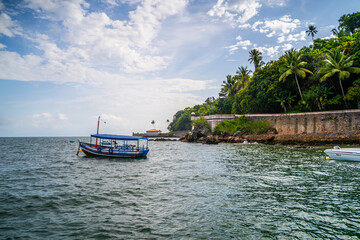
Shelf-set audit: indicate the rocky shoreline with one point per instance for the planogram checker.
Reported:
(273, 138)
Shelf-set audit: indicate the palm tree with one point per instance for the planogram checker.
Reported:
(228, 87)
(243, 76)
(256, 58)
(285, 101)
(337, 62)
(311, 31)
(293, 65)
(340, 32)
(153, 123)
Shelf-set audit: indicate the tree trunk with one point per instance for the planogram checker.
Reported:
(298, 86)
(342, 90)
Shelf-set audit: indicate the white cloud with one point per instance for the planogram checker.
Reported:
(94, 40)
(274, 51)
(240, 43)
(48, 120)
(297, 37)
(274, 3)
(112, 123)
(42, 115)
(329, 37)
(8, 27)
(2, 46)
(136, 101)
(278, 27)
(70, 11)
(270, 51)
(239, 11)
(287, 47)
(62, 116)
(244, 26)
(293, 37)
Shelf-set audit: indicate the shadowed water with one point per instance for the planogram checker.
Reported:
(182, 191)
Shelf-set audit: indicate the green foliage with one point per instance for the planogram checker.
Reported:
(242, 124)
(181, 121)
(285, 100)
(200, 123)
(353, 93)
(335, 102)
(316, 98)
(228, 87)
(294, 65)
(256, 58)
(242, 78)
(335, 63)
(184, 122)
(236, 107)
(350, 22)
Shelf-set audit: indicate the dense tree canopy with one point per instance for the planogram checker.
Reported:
(323, 76)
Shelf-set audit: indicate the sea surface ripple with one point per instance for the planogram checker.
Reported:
(181, 191)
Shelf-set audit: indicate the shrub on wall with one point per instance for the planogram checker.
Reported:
(202, 125)
(242, 124)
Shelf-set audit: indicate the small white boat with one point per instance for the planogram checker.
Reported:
(347, 154)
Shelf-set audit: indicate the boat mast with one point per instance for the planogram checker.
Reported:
(97, 131)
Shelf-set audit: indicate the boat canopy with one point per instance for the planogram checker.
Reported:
(117, 137)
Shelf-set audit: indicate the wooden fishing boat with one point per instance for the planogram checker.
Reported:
(116, 146)
(347, 154)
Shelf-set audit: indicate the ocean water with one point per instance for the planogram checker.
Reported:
(181, 191)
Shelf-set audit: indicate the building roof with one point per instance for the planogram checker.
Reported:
(153, 130)
(116, 137)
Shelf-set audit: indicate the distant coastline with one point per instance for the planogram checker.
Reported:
(175, 134)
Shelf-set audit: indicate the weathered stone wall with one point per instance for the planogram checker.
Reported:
(331, 126)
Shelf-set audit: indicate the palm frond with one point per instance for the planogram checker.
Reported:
(300, 73)
(344, 75)
(355, 70)
(306, 70)
(285, 75)
(326, 76)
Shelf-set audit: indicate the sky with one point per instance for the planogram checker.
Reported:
(63, 63)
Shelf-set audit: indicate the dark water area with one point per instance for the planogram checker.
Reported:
(181, 191)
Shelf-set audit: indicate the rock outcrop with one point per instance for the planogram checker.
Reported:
(273, 138)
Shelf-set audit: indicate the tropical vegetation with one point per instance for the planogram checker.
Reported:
(319, 77)
(242, 124)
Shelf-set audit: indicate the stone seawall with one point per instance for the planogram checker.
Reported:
(330, 126)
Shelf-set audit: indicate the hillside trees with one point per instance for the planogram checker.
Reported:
(336, 63)
(334, 84)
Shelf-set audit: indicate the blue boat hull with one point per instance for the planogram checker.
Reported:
(106, 152)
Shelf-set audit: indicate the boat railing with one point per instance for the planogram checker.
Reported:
(126, 147)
